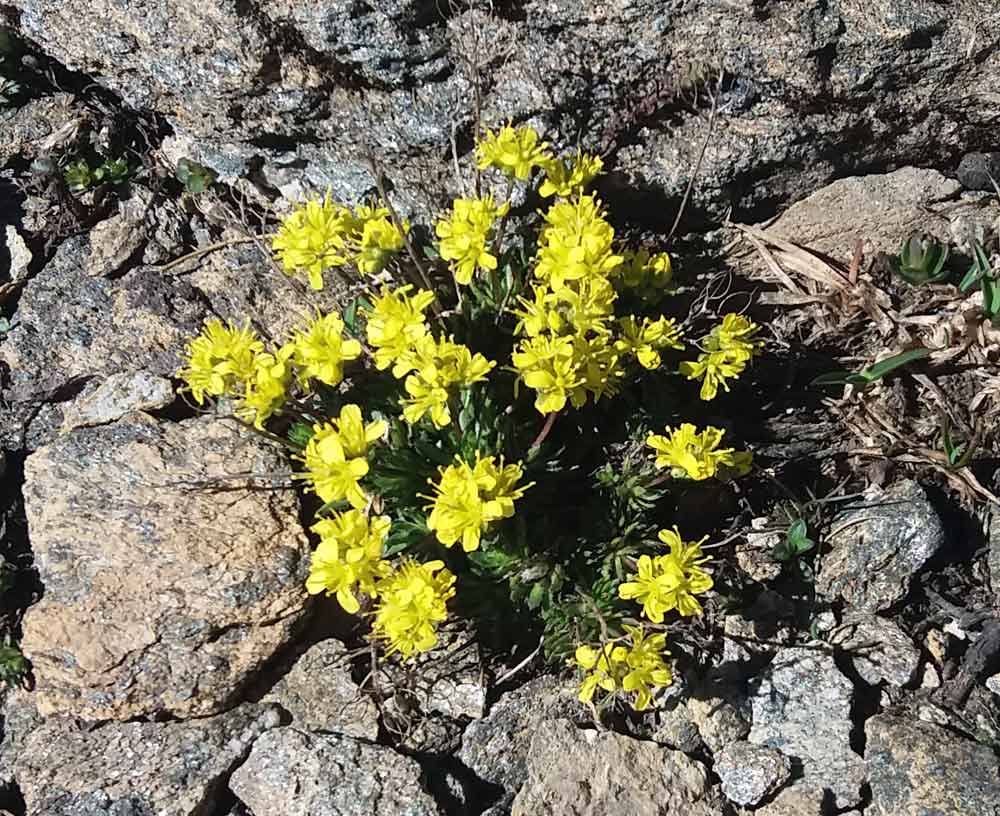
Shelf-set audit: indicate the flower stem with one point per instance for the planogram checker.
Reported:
(549, 422)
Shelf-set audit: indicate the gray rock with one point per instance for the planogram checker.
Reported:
(797, 800)
(720, 710)
(991, 530)
(72, 328)
(993, 683)
(496, 747)
(20, 255)
(755, 558)
(750, 773)
(44, 126)
(394, 43)
(880, 651)
(446, 680)
(916, 767)
(20, 718)
(802, 706)
(573, 772)
(881, 208)
(979, 171)
(144, 228)
(138, 768)
(117, 396)
(243, 284)
(321, 696)
(676, 728)
(876, 549)
(170, 576)
(811, 93)
(295, 773)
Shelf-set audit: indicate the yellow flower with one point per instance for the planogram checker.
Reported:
(566, 178)
(546, 365)
(587, 305)
(348, 559)
(438, 365)
(426, 398)
(514, 152)
(728, 348)
(644, 341)
(335, 457)
(411, 602)
(376, 240)
(538, 315)
(695, 455)
(575, 243)
(355, 435)
(604, 669)
(713, 369)
(635, 668)
(313, 238)
(646, 667)
(647, 275)
(396, 323)
(220, 360)
(321, 350)
(469, 498)
(266, 389)
(669, 581)
(598, 360)
(465, 234)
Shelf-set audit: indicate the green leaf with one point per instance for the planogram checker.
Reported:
(841, 377)
(880, 369)
(351, 316)
(991, 296)
(300, 433)
(537, 596)
(980, 268)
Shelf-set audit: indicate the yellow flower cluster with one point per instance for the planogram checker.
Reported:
(669, 581)
(220, 359)
(515, 152)
(411, 602)
(693, 455)
(465, 235)
(320, 350)
(433, 368)
(321, 235)
(572, 347)
(410, 598)
(647, 276)
(226, 360)
(727, 350)
(348, 559)
(636, 668)
(566, 178)
(335, 457)
(469, 497)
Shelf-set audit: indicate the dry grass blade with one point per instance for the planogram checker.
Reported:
(801, 260)
(780, 274)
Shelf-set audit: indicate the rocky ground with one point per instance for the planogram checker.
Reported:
(155, 557)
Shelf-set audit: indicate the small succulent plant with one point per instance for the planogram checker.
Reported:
(195, 177)
(921, 260)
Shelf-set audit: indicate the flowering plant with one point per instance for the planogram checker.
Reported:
(508, 387)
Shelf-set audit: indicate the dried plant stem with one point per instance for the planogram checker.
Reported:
(398, 224)
(250, 239)
(549, 422)
(701, 158)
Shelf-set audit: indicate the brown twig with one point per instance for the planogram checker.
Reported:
(398, 224)
(251, 239)
(701, 158)
(549, 422)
